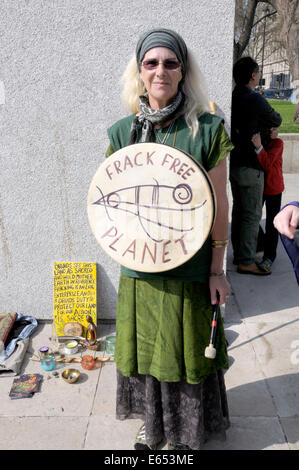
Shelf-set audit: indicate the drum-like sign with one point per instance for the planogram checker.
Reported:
(151, 207)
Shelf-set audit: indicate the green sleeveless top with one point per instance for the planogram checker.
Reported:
(209, 147)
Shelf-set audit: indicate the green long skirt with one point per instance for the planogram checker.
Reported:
(163, 328)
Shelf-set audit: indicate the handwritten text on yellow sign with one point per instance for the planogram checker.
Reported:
(74, 293)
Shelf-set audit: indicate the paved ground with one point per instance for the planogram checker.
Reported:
(262, 327)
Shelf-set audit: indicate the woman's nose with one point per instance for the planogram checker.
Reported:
(160, 69)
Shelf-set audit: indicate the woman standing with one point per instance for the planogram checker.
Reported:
(163, 319)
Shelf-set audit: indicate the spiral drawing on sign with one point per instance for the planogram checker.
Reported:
(182, 194)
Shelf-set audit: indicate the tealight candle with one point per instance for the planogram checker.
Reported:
(71, 347)
(43, 351)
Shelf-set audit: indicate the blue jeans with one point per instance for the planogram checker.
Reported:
(247, 186)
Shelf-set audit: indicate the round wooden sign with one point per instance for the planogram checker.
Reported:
(151, 207)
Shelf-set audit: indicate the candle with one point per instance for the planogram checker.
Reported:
(43, 351)
(71, 347)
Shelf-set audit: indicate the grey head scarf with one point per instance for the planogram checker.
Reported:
(163, 38)
(160, 37)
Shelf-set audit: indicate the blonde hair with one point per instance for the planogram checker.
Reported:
(194, 87)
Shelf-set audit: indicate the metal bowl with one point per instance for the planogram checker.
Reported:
(70, 375)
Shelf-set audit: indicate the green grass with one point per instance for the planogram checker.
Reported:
(287, 110)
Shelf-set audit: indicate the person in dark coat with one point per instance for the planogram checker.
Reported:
(251, 114)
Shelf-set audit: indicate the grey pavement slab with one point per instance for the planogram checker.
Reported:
(247, 391)
(105, 432)
(291, 430)
(274, 356)
(104, 399)
(285, 391)
(42, 433)
(252, 433)
(267, 299)
(231, 311)
(273, 343)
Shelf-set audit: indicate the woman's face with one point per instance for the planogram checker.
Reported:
(160, 83)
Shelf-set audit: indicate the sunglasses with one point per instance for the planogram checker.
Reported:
(169, 64)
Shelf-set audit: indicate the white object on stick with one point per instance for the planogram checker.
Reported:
(210, 352)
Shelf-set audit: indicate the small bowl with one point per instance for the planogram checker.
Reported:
(70, 375)
(71, 347)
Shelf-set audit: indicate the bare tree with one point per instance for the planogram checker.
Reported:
(265, 41)
(288, 17)
(288, 12)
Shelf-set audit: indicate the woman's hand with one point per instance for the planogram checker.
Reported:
(287, 220)
(221, 285)
(256, 140)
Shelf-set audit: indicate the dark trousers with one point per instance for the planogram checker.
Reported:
(268, 241)
(247, 185)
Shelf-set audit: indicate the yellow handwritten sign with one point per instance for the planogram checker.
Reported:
(75, 294)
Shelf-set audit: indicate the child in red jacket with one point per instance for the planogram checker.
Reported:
(271, 162)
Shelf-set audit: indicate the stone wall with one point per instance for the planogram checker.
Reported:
(290, 153)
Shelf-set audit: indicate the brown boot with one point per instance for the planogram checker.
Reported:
(251, 269)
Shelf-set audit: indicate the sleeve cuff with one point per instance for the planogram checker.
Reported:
(293, 203)
(257, 151)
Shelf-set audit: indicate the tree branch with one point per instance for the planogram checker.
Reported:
(246, 30)
(265, 16)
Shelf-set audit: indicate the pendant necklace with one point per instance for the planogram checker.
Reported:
(167, 134)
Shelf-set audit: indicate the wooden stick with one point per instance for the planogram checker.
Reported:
(73, 359)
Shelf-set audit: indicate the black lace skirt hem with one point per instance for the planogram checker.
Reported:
(175, 411)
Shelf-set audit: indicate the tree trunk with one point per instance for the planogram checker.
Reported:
(243, 40)
(292, 53)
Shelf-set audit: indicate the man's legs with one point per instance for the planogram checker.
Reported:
(247, 189)
(236, 216)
